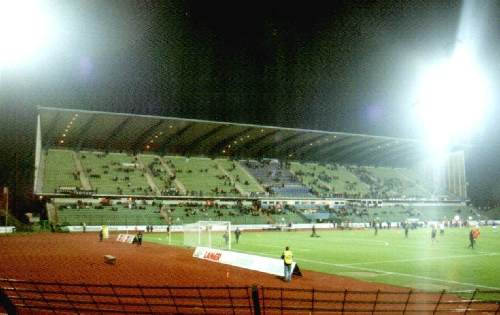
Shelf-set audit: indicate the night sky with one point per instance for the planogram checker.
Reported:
(338, 65)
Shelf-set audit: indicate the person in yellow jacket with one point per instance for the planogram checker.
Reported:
(287, 257)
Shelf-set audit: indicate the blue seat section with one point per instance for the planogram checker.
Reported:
(276, 178)
(291, 191)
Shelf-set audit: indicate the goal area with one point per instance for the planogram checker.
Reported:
(213, 234)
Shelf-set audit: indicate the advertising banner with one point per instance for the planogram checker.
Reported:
(125, 238)
(269, 265)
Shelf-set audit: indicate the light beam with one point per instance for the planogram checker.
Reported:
(24, 29)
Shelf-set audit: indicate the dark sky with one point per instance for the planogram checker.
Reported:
(334, 65)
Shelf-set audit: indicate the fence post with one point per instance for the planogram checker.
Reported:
(23, 300)
(470, 301)
(6, 303)
(281, 300)
(343, 301)
(117, 296)
(91, 295)
(407, 301)
(201, 299)
(255, 299)
(312, 301)
(43, 297)
(173, 299)
(263, 306)
(439, 301)
(68, 300)
(375, 302)
(144, 298)
(231, 299)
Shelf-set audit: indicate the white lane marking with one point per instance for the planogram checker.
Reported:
(280, 247)
(383, 272)
(417, 246)
(341, 240)
(418, 259)
(473, 285)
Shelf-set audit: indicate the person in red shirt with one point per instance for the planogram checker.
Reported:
(476, 233)
(473, 236)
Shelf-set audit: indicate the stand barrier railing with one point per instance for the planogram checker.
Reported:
(39, 297)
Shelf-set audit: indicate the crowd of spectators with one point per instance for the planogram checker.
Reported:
(324, 183)
(320, 180)
(208, 211)
(122, 173)
(385, 188)
(167, 187)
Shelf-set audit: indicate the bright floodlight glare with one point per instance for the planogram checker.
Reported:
(24, 28)
(453, 98)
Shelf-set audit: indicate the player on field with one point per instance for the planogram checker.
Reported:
(471, 239)
(476, 233)
(314, 231)
(441, 228)
(473, 236)
(226, 238)
(237, 234)
(433, 233)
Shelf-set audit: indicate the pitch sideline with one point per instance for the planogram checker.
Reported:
(402, 274)
(419, 259)
(386, 272)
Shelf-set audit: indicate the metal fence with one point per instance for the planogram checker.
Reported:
(38, 297)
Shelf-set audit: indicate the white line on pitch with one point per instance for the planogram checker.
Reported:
(417, 259)
(392, 245)
(401, 274)
(282, 247)
(341, 240)
(385, 272)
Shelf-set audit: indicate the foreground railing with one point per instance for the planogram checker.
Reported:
(38, 297)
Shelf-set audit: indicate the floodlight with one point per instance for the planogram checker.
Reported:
(24, 28)
(453, 98)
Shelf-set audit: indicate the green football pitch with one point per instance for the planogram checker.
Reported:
(388, 257)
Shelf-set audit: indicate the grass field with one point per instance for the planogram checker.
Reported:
(387, 258)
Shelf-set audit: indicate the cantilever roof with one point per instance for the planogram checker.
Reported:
(81, 129)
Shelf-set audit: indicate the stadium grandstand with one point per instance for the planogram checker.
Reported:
(248, 158)
(102, 168)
